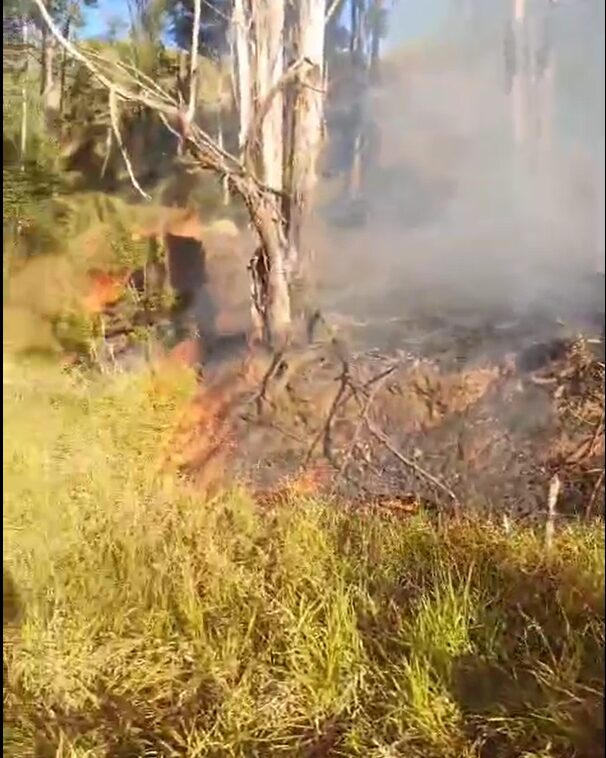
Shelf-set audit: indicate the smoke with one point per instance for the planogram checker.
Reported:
(482, 190)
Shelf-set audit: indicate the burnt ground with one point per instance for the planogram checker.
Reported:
(450, 411)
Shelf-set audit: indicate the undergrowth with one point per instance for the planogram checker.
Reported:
(143, 620)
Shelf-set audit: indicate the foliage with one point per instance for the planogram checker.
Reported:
(214, 26)
(146, 622)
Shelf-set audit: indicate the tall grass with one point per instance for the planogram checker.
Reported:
(142, 620)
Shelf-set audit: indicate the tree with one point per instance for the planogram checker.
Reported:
(280, 51)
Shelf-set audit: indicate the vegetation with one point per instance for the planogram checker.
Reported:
(142, 620)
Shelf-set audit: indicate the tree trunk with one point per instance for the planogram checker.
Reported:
(25, 40)
(51, 96)
(519, 89)
(193, 71)
(268, 30)
(308, 112)
(268, 26)
(243, 65)
(66, 32)
(375, 38)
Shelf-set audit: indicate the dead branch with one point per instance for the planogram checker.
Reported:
(419, 470)
(587, 446)
(123, 92)
(331, 10)
(261, 396)
(139, 77)
(324, 431)
(594, 495)
(115, 122)
(108, 148)
(327, 440)
(376, 383)
(552, 500)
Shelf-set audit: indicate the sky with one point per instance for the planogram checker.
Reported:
(96, 19)
(410, 20)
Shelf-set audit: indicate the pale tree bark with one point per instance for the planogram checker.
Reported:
(66, 34)
(533, 76)
(24, 113)
(308, 117)
(182, 75)
(356, 28)
(519, 89)
(51, 94)
(268, 34)
(193, 71)
(268, 38)
(242, 60)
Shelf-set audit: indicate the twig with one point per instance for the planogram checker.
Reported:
(587, 447)
(134, 73)
(552, 500)
(331, 10)
(274, 366)
(594, 495)
(108, 149)
(381, 437)
(324, 431)
(124, 92)
(115, 121)
(164, 120)
(327, 446)
(377, 384)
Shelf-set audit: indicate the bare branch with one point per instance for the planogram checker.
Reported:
(332, 9)
(124, 92)
(140, 78)
(413, 465)
(552, 499)
(115, 121)
(108, 149)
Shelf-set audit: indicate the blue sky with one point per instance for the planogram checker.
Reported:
(96, 19)
(409, 19)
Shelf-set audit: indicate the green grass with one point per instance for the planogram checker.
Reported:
(141, 620)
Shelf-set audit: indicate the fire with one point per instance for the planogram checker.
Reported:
(106, 289)
(203, 439)
(307, 482)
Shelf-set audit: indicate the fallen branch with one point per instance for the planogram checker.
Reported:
(376, 383)
(587, 446)
(419, 470)
(324, 431)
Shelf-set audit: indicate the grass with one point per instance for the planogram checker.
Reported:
(141, 620)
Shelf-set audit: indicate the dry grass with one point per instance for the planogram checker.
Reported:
(142, 621)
